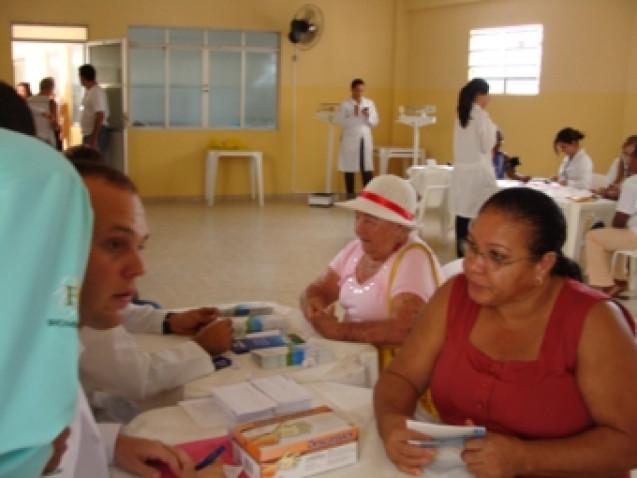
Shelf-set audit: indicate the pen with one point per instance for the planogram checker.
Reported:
(210, 459)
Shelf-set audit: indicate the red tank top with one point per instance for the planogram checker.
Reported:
(528, 399)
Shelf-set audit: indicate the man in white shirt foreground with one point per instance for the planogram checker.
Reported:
(112, 362)
(114, 263)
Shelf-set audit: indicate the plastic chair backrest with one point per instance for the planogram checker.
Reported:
(452, 268)
(599, 181)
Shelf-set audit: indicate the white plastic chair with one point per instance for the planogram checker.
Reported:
(599, 181)
(432, 186)
(451, 269)
(630, 267)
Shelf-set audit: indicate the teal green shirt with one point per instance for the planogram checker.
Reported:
(45, 231)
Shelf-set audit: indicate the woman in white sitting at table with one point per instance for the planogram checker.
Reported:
(601, 243)
(618, 170)
(576, 170)
(383, 279)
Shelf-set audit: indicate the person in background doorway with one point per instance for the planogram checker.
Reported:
(14, 113)
(24, 89)
(93, 110)
(576, 170)
(45, 112)
(357, 116)
(473, 178)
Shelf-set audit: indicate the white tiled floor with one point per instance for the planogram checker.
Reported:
(236, 251)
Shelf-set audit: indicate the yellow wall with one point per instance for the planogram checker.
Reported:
(408, 55)
(357, 41)
(587, 55)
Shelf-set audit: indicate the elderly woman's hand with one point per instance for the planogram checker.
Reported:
(325, 322)
(494, 456)
(408, 458)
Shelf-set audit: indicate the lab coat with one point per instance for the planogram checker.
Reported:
(90, 446)
(473, 178)
(353, 129)
(112, 362)
(577, 171)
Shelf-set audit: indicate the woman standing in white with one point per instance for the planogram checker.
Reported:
(473, 179)
(357, 116)
(576, 170)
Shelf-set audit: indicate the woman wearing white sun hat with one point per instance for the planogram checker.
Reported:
(383, 279)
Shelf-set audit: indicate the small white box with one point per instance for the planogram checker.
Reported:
(321, 199)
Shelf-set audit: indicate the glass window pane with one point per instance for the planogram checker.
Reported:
(185, 87)
(262, 39)
(186, 36)
(507, 53)
(522, 87)
(107, 60)
(147, 86)
(496, 86)
(224, 100)
(224, 38)
(146, 35)
(261, 91)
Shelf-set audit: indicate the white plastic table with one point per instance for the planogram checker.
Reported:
(385, 153)
(353, 364)
(579, 215)
(256, 172)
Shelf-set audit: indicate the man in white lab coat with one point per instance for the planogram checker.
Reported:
(112, 364)
(357, 116)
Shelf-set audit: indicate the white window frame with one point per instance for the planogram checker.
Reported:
(505, 43)
(206, 49)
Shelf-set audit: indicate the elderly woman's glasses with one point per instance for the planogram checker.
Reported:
(493, 259)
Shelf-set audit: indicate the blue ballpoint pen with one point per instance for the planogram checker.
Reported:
(210, 459)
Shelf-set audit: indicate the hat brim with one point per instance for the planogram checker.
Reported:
(369, 207)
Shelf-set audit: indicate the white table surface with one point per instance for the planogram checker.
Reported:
(354, 364)
(172, 425)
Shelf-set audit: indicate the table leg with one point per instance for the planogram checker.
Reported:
(253, 173)
(211, 177)
(572, 212)
(384, 160)
(259, 177)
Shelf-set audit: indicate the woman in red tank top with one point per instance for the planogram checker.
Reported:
(545, 363)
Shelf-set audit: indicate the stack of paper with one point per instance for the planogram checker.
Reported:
(242, 402)
(289, 395)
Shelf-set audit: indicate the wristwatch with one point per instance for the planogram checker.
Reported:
(165, 325)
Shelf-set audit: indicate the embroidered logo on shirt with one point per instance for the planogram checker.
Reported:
(66, 299)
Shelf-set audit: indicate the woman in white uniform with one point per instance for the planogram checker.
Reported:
(576, 170)
(357, 116)
(473, 179)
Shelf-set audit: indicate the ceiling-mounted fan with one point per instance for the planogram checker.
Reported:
(306, 27)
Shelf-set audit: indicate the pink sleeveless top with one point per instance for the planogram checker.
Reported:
(527, 399)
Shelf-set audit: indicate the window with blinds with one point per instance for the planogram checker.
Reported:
(508, 58)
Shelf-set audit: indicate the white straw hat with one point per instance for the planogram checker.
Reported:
(386, 197)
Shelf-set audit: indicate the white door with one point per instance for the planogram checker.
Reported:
(109, 59)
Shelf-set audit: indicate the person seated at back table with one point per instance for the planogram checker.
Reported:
(545, 363)
(383, 279)
(503, 164)
(618, 170)
(112, 361)
(602, 243)
(576, 170)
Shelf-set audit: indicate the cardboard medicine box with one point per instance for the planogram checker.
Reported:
(297, 445)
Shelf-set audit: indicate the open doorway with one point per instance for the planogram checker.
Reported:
(56, 51)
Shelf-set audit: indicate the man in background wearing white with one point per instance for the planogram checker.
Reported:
(93, 110)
